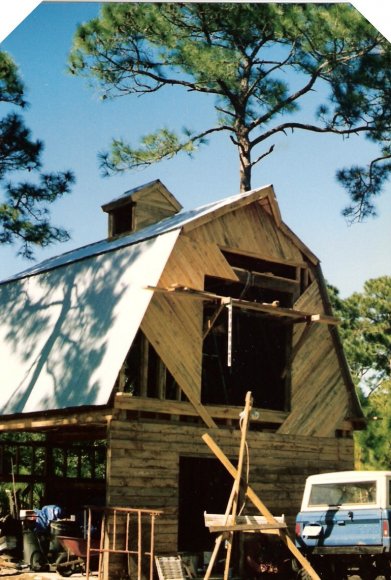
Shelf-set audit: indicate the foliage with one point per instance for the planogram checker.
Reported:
(24, 214)
(374, 444)
(259, 62)
(366, 336)
(364, 183)
(28, 462)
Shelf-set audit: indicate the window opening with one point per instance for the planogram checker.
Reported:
(121, 220)
(253, 354)
(288, 276)
(27, 457)
(260, 265)
(43, 471)
(144, 374)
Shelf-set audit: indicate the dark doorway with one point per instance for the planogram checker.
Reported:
(204, 486)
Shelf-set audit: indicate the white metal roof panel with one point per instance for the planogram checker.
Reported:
(64, 332)
(169, 224)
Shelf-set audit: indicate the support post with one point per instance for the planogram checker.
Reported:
(234, 497)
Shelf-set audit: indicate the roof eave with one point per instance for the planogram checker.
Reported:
(265, 192)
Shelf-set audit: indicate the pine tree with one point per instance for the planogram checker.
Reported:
(258, 61)
(366, 335)
(24, 213)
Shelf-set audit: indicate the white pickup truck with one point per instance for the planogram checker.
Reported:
(344, 524)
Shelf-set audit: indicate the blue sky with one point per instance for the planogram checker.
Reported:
(75, 125)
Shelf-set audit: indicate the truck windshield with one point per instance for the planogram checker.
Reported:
(358, 492)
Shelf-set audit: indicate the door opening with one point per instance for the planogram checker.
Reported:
(204, 486)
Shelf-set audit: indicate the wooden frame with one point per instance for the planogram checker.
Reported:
(296, 316)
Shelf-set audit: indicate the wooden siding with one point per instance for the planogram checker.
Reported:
(127, 402)
(174, 328)
(320, 400)
(143, 467)
(174, 325)
(249, 229)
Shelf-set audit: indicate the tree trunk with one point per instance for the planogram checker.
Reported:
(245, 177)
(244, 160)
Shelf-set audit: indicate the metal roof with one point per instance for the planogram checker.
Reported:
(178, 221)
(65, 331)
(67, 323)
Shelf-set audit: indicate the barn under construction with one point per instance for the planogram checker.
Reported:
(119, 356)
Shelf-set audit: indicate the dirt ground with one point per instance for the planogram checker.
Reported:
(27, 576)
(17, 575)
(14, 574)
(53, 575)
(4, 574)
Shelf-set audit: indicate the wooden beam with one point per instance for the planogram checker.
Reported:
(231, 510)
(264, 257)
(54, 421)
(161, 380)
(244, 424)
(269, 282)
(127, 402)
(297, 315)
(212, 320)
(273, 310)
(213, 521)
(246, 527)
(143, 369)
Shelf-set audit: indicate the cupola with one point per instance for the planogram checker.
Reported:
(140, 207)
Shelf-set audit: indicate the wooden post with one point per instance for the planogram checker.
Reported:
(229, 338)
(219, 539)
(261, 507)
(233, 499)
(244, 421)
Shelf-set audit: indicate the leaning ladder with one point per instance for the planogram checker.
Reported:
(231, 511)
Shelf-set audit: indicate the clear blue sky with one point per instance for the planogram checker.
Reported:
(75, 125)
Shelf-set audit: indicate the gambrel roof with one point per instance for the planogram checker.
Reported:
(67, 324)
(184, 220)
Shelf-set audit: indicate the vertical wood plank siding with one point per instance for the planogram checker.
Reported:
(249, 229)
(320, 400)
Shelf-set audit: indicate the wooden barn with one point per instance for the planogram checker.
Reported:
(120, 355)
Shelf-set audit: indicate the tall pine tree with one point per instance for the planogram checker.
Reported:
(258, 62)
(366, 335)
(24, 213)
